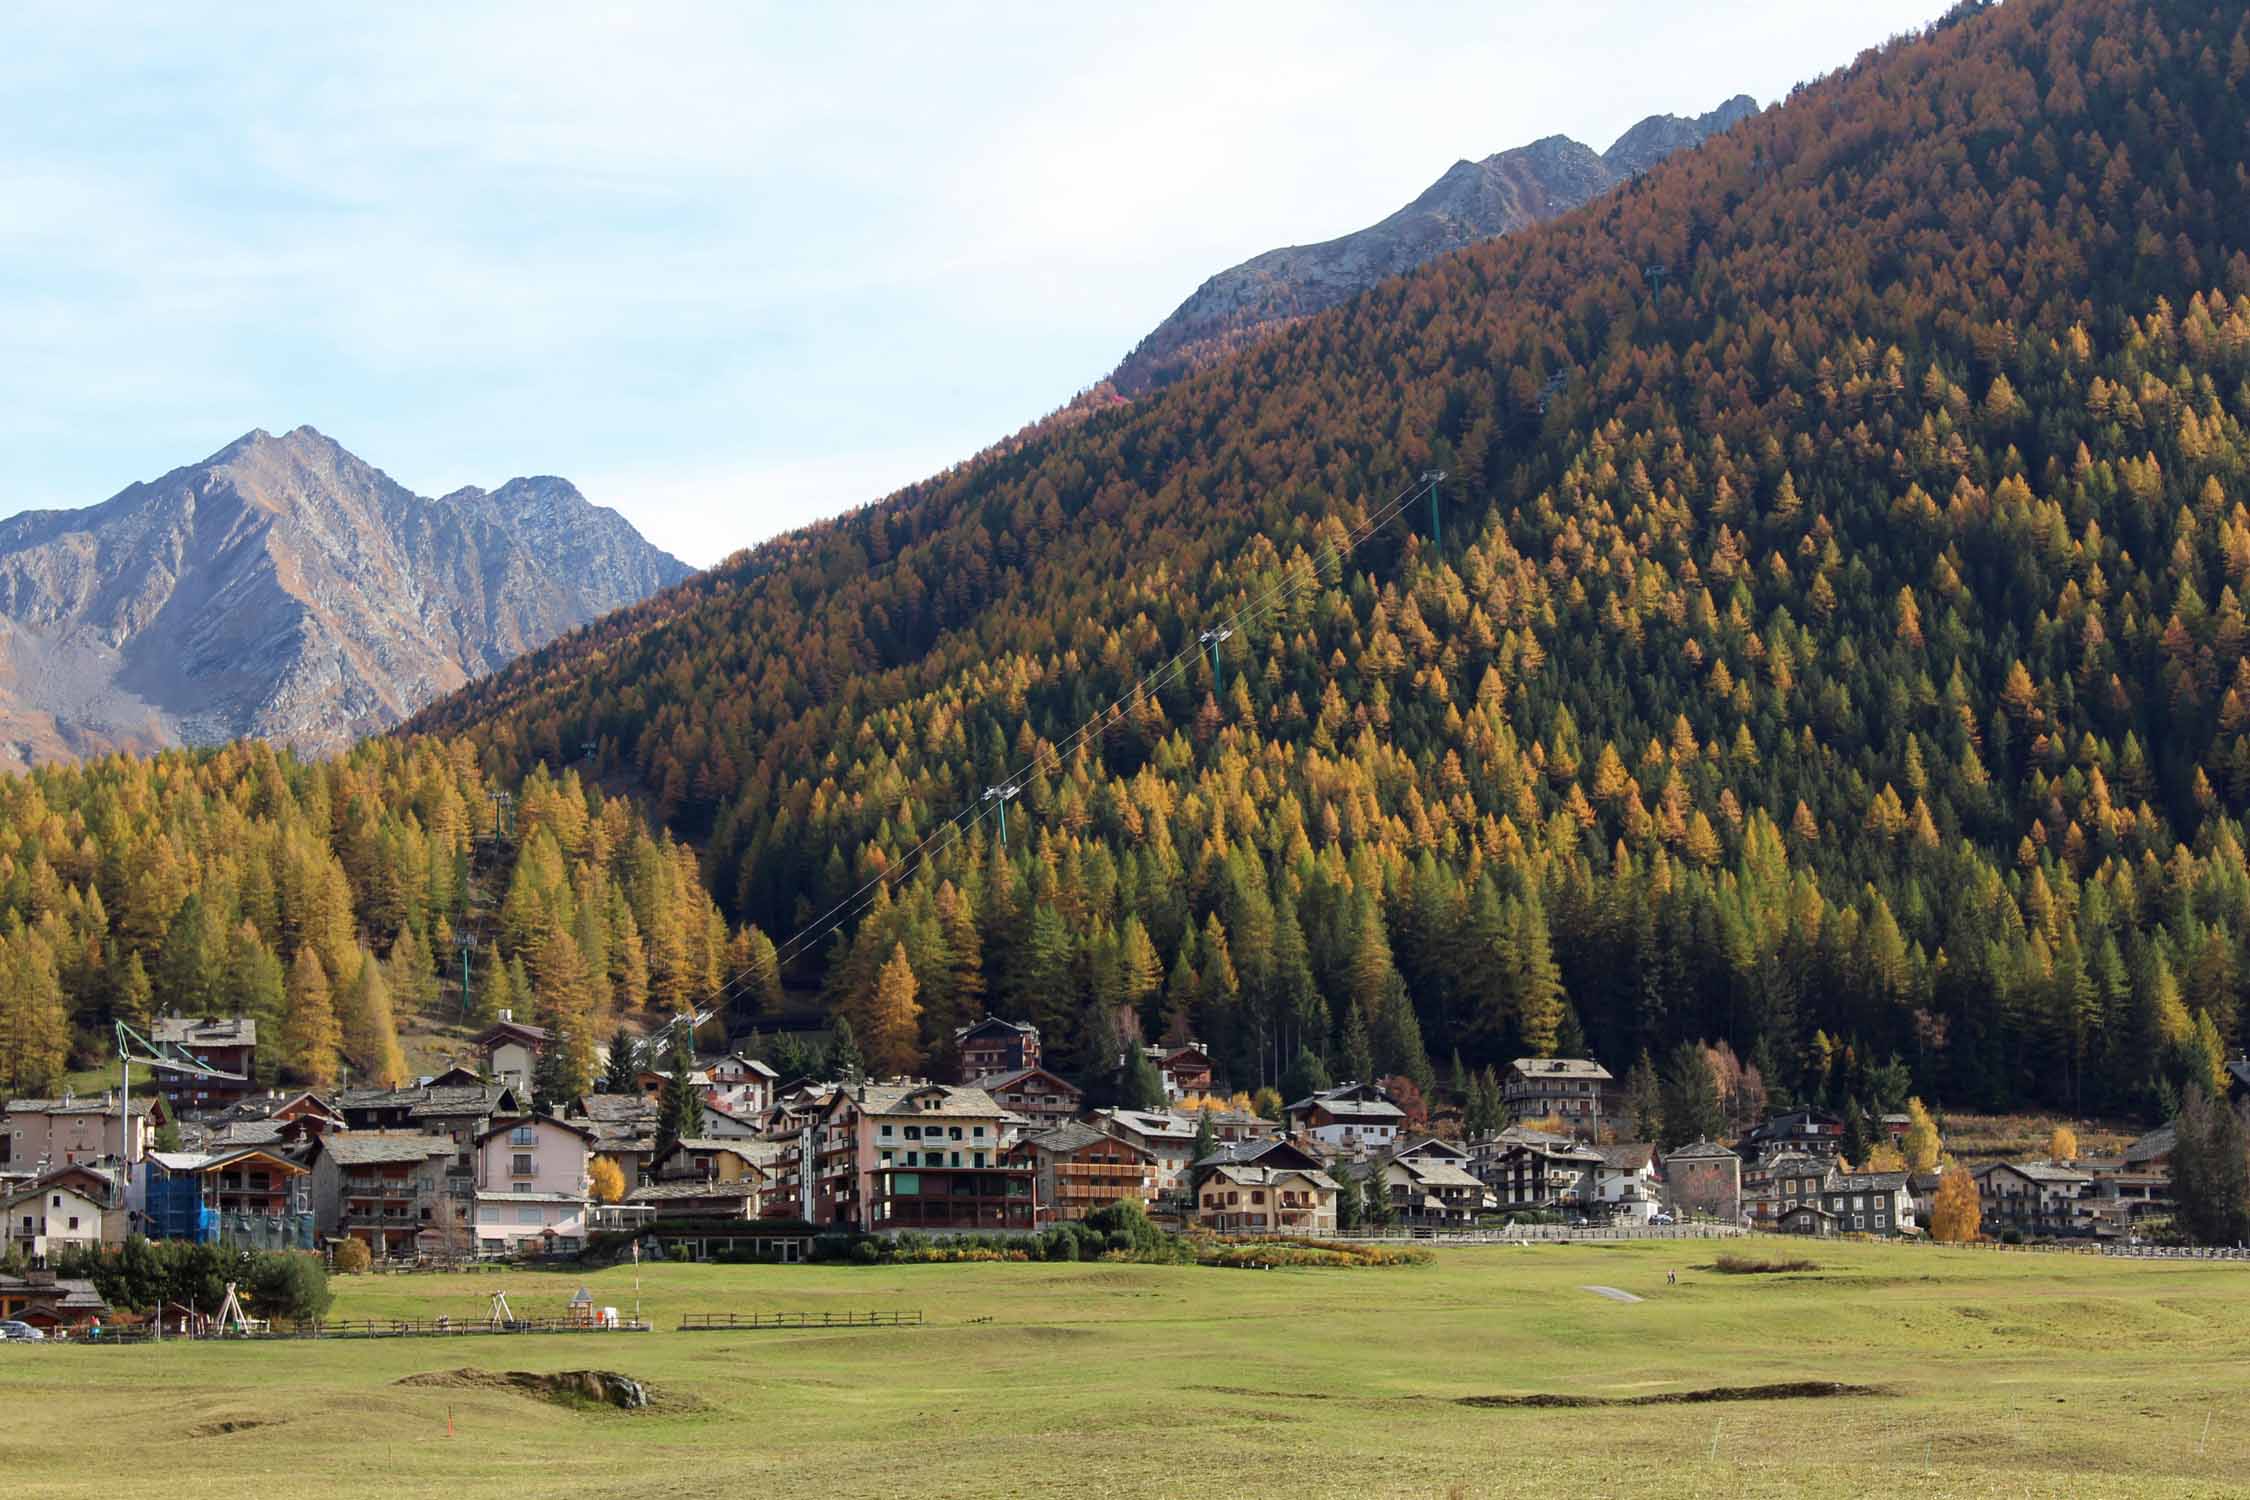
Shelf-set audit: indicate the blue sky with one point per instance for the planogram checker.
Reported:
(729, 267)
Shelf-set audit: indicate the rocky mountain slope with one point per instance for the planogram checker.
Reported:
(285, 588)
(1473, 201)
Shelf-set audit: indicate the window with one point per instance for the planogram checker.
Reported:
(913, 1132)
(522, 1135)
(886, 1132)
(528, 1213)
(521, 1166)
(956, 1132)
(980, 1132)
(74, 1221)
(1859, 1221)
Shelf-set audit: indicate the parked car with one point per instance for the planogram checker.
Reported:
(20, 1333)
(1662, 1219)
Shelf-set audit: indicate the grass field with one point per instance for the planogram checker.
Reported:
(2001, 1375)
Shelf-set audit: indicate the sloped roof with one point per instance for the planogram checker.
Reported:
(362, 1148)
(1560, 1067)
(211, 1031)
(85, 1104)
(1629, 1156)
(1073, 1136)
(1436, 1172)
(1249, 1176)
(993, 1083)
(2039, 1171)
(943, 1100)
(663, 1192)
(1704, 1150)
(995, 1026)
(2158, 1142)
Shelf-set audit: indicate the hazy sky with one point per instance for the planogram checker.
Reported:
(729, 267)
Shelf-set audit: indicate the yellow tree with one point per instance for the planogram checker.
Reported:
(895, 1020)
(310, 1036)
(1955, 1215)
(2063, 1144)
(605, 1179)
(1921, 1143)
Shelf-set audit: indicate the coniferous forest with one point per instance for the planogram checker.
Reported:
(1828, 641)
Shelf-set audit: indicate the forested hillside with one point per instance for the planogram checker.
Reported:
(324, 899)
(1834, 638)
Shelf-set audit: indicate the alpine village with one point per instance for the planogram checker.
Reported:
(1644, 807)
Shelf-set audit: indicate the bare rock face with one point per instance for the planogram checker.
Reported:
(1473, 201)
(283, 588)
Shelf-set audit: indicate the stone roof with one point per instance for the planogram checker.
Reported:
(88, 1104)
(2040, 1171)
(664, 1192)
(208, 1031)
(1869, 1182)
(1629, 1156)
(994, 1082)
(916, 1100)
(1702, 1150)
(1561, 1067)
(1437, 1173)
(423, 1101)
(1247, 1176)
(2158, 1142)
(606, 1108)
(1074, 1136)
(361, 1148)
(1152, 1123)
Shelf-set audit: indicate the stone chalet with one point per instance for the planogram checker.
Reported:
(41, 1133)
(1044, 1100)
(1260, 1199)
(1537, 1170)
(228, 1044)
(2040, 1198)
(1349, 1117)
(395, 1192)
(1575, 1091)
(992, 1046)
(1428, 1184)
(1082, 1170)
(510, 1049)
(1846, 1202)
(1704, 1178)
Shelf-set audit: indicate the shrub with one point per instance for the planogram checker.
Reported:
(832, 1246)
(351, 1257)
(289, 1284)
(864, 1253)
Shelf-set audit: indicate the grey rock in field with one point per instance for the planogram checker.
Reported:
(1473, 201)
(286, 589)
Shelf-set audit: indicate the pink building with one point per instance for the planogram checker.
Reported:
(531, 1186)
(37, 1135)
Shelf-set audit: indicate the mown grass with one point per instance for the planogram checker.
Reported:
(1999, 1375)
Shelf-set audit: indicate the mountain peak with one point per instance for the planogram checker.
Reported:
(1472, 201)
(286, 588)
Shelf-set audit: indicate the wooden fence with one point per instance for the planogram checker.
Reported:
(1540, 1234)
(730, 1321)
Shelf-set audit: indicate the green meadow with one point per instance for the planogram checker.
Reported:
(1991, 1374)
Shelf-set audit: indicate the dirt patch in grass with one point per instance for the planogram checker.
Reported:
(576, 1388)
(1759, 1265)
(221, 1426)
(1788, 1390)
